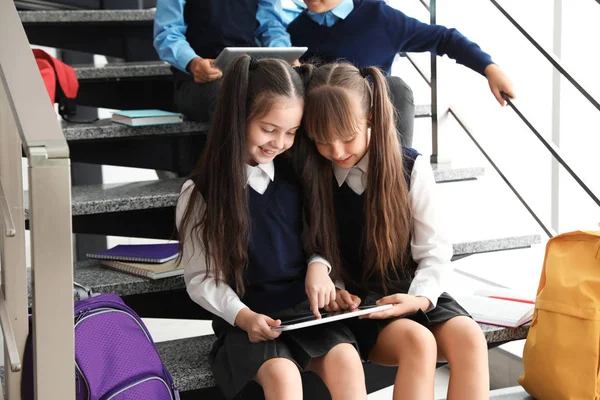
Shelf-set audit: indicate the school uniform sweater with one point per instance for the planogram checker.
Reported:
(275, 277)
(431, 250)
(215, 24)
(277, 263)
(373, 33)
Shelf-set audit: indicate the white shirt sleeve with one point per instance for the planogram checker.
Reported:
(220, 299)
(430, 245)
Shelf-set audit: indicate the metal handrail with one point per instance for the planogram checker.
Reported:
(549, 231)
(550, 57)
(9, 224)
(553, 150)
(27, 113)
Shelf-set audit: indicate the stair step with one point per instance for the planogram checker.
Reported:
(106, 129)
(123, 70)
(483, 216)
(117, 197)
(512, 393)
(187, 359)
(422, 110)
(518, 269)
(86, 16)
(91, 274)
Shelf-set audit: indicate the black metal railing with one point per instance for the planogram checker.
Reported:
(431, 7)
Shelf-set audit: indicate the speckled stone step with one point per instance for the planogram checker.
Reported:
(512, 393)
(100, 279)
(187, 359)
(483, 215)
(98, 199)
(123, 70)
(86, 16)
(107, 129)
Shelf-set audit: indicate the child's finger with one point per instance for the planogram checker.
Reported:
(356, 301)
(498, 96)
(313, 298)
(346, 299)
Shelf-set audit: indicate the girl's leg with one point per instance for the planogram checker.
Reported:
(411, 347)
(342, 371)
(280, 379)
(462, 343)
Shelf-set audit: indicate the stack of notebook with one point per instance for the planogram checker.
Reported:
(154, 261)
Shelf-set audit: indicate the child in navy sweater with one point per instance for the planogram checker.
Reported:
(371, 33)
(240, 219)
(377, 199)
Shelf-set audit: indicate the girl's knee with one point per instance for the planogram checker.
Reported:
(409, 337)
(278, 371)
(345, 356)
(461, 337)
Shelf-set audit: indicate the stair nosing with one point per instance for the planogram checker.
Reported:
(86, 16)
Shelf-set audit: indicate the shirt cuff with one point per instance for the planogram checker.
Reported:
(339, 284)
(320, 259)
(184, 58)
(280, 42)
(431, 292)
(232, 310)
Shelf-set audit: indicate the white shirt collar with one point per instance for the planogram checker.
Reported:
(260, 176)
(342, 173)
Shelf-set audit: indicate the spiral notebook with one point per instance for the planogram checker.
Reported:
(140, 253)
(152, 271)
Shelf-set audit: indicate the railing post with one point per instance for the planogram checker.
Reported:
(52, 275)
(440, 117)
(14, 270)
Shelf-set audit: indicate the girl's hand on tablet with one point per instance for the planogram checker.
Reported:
(402, 304)
(258, 326)
(319, 287)
(343, 301)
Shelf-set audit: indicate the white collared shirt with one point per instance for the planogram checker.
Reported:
(430, 245)
(221, 299)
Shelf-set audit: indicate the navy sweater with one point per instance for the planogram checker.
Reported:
(374, 33)
(350, 216)
(215, 24)
(277, 266)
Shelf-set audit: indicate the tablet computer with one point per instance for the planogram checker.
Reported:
(307, 320)
(289, 54)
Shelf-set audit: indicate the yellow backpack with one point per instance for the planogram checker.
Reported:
(562, 353)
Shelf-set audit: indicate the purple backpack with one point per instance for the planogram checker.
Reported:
(115, 356)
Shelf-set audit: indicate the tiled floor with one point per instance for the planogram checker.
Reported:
(167, 329)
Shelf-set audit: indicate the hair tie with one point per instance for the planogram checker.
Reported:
(253, 63)
(364, 71)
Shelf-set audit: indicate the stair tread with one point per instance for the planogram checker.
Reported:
(107, 129)
(484, 215)
(187, 359)
(138, 69)
(511, 393)
(62, 16)
(114, 197)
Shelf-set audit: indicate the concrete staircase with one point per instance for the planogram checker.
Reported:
(146, 209)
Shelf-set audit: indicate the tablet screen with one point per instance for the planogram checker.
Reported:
(309, 319)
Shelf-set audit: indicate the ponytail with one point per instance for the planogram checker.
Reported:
(387, 206)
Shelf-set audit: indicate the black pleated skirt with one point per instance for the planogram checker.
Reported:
(366, 331)
(235, 360)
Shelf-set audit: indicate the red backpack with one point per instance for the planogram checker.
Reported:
(52, 71)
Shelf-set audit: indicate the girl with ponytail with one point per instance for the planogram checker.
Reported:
(240, 222)
(376, 201)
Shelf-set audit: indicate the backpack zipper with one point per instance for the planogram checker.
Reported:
(112, 396)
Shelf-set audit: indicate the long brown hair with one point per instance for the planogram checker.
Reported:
(329, 114)
(222, 226)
